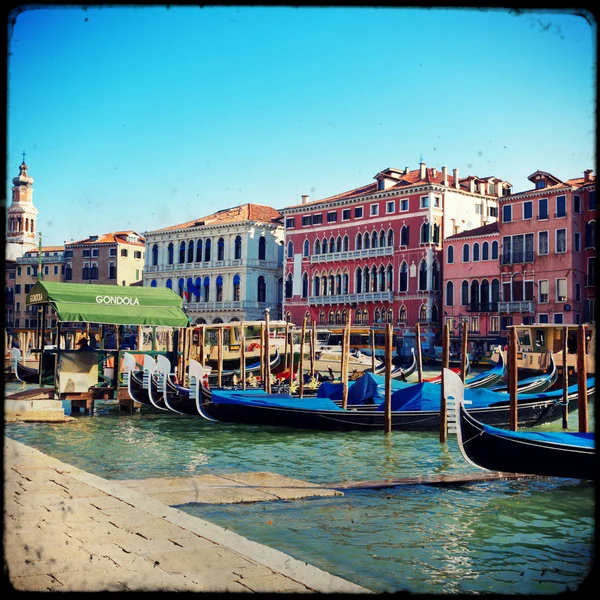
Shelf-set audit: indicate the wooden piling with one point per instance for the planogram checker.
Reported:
(301, 367)
(388, 378)
(582, 396)
(219, 355)
(243, 356)
(345, 349)
(372, 350)
(313, 348)
(512, 377)
(286, 350)
(261, 351)
(267, 354)
(419, 354)
(201, 341)
(464, 352)
(565, 380)
(445, 365)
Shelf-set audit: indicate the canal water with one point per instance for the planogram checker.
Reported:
(531, 536)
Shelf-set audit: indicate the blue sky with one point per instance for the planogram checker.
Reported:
(145, 117)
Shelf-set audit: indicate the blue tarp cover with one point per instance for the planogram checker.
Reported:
(272, 400)
(579, 440)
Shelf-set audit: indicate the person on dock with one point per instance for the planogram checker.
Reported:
(83, 344)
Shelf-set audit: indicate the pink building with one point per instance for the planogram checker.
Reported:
(472, 285)
(377, 249)
(547, 259)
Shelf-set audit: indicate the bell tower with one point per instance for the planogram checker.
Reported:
(21, 218)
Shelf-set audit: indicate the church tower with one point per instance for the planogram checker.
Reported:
(21, 219)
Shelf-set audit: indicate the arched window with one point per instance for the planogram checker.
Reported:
(306, 248)
(338, 284)
(236, 287)
(317, 286)
(169, 284)
(305, 285)
(475, 296)
(484, 299)
(390, 279)
(317, 246)
(262, 248)
(435, 273)
(390, 239)
(331, 318)
(374, 240)
(423, 275)
(219, 288)
(189, 289)
(217, 320)
(449, 294)
(404, 277)
(207, 245)
(590, 234)
(324, 285)
(170, 252)
(344, 317)
(237, 248)
(450, 255)
(367, 280)
(425, 233)
(198, 290)
(261, 287)
(322, 318)
(402, 314)
(435, 315)
(495, 294)
(155, 255)
(206, 289)
(345, 281)
(338, 317)
(331, 285)
(476, 252)
(373, 278)
(366, 241)
(181, 252)
(423, 312)
(381, 279)
(290, 249)
(338, 244)
(466, 253)
(404, 235)
(494, 250)
(464, 293)
(153, 283)
(436, 233)
(382, 239)
(485, 251)
(85, 271)
(358, 317)
(190, 252)
(359, 241)
(181, 288)
(289, 284)
(324, 246)
(331, 245)
(358, 283)
(94, 271)
(346, 244)
(365, 317)
(377, 316)
(199, 251)
(221, 249)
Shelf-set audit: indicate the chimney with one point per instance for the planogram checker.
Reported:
(433, 172)
(305, 198)
(423, 169)
(499, 188)
(445, 175)
(456, 184)
(586, 174)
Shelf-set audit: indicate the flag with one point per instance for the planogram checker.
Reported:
(192, 289)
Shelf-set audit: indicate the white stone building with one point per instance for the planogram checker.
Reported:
(227, 266)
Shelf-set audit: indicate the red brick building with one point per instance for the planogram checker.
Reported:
(377, 249)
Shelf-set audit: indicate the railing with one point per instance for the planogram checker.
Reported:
(29, 260)
(211, 306)
(351, 298)
(482, 307)
(213, 264)
(352, 254)
(526, 306)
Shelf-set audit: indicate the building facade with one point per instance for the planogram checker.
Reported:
(111, 259)
(548, 253)
(226, 266)
(377, 249)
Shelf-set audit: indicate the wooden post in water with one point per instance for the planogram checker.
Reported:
(261, 352)
(582, 396)
(372, 350)
(388, 378)
(345, 349)
(219, 354)
(512, 377)
(286, 349)
(445, 365)
(243, 356)
(313, 348)
(464, 352)
(201, 341)
(419, 354)
(301, 367)
(565, 380)
(267, 354)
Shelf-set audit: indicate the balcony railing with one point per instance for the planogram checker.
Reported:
(351, 298)
(352, 254)
(212, 264)
(525, 306)
(212, 306)
(482, 307)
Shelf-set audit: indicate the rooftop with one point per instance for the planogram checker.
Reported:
(478, 231)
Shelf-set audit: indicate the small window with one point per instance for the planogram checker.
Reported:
(542, 318)
(95, 252)
(390, 207)
(424, 202)
(450, 255)
(317, 219)
(306, 220)
(561, 206)
(331, 217)
(507, 213)
(543, 290)
(577, 204)
(542, 243)
(436, 201)
(528, 210)
(404, 204)
(290, 222)
(542, 208)
(577, 241)
(561, 241)
(358, 212)
(346, 214)
(374, 210)
(557, 318)
(112, 252)
(561, 290)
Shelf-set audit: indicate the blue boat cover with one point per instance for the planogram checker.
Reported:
(497, 369)
(272, 400)
(568, 438)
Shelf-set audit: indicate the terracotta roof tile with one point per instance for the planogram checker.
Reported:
(112, 238)
(477, 231)
(47, 249)
(237, 214)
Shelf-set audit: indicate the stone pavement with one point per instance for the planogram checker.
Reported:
(68, 530)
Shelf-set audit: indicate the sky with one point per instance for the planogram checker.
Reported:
(142, 117)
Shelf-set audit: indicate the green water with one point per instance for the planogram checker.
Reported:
(533, 536)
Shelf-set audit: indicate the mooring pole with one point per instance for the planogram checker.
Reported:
(445, 365)
(372, 350)
(243, 356)
(565, 380)
(419, 354)
(582, 396)
(345, 348)
(313, 348)
(388, 378)
(267, 353)
(512, 377)
(219, 354)
(301, 367)
(464, 352)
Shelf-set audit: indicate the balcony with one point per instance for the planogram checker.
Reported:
(214, 306)
(524, 306)
(212, 264)
(351, 298)
(352, 254)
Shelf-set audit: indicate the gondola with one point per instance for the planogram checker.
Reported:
(490, 377)
(23, 373)
(538, 383)
(414, 407)
(133, 380)
(399, 372)
(438, 378)
(253, 368)
(544, 453)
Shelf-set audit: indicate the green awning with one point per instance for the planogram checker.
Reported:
(110, 304)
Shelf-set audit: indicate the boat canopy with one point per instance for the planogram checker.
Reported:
(110, 304)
